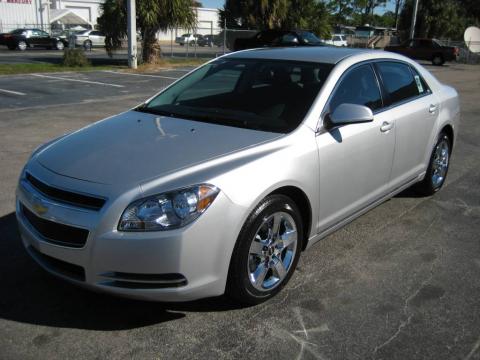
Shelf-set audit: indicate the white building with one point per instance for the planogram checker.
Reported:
(43, 13)
(61, 14)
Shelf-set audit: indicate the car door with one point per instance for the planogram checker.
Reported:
(414, 109)
(35, 38)
(355, 160)
(97, 38)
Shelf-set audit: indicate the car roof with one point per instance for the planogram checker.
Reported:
(320, 54)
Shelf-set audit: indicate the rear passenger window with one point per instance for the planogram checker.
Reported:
(398, 81)
(359, 87)
(421, 83)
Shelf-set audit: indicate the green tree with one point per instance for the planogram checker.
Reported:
(276, 14)
(446, 19)
(309, 15)
(341, 11)
(254, 14)
(152, 16)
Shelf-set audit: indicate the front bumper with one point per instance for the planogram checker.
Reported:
(176, 265)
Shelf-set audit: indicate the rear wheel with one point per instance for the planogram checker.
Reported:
(87, 45)
(438, 60)
(267, 251)
(59, 45)
(22, 45)
(438, 167)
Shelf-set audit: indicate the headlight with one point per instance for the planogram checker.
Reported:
(169, 210)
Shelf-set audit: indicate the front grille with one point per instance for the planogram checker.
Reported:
(58, 266)
(56, 233)
(143, 281)
(80, 200)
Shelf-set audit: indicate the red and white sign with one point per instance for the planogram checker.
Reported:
(19, 1)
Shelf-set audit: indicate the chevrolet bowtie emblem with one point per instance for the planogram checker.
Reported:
(38, 206)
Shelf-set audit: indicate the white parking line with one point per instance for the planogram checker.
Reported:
(77, 80)
(12, 92)
(148, 75)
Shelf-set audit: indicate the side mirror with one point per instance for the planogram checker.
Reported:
(346, 114)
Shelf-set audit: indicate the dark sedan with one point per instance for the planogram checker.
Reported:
(22, 39)
(426, 49)
(274, 38)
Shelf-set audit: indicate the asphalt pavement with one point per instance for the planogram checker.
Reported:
(400, 282)
(98, 56)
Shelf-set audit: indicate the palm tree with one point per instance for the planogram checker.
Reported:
(152, 16)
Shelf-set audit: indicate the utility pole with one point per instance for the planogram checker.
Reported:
(414, 19)
(132, 34)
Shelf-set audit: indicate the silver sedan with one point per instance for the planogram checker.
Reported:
(219, 182)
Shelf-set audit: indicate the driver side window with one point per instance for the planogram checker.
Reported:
(359, 86)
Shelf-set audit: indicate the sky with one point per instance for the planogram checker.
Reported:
(215, 4)
(219, 4)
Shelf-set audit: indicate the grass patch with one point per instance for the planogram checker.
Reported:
(10, 69)
(169, 63)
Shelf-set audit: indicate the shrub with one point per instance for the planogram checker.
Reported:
(74, 57)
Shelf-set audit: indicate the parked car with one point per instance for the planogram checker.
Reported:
(22, 39)
(65, 35)
(89, 39)
(336, 40)
(189, 39)
(219, 182)
(273, 38)
(210, 40)
(426, 49)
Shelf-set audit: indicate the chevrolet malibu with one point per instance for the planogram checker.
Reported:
(218, 183)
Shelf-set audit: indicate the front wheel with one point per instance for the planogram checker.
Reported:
(438, 167)
(87, 45)
(59, 45)
(267, 251)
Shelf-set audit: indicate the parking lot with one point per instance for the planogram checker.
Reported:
(98, 56)
(400, 282)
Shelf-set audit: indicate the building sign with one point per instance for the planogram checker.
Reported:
(19, 1)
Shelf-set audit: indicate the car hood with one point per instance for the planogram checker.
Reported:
(133, 147)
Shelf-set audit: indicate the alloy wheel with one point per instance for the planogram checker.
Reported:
(440, 162)
(272, 251)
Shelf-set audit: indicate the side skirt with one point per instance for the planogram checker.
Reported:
(315, 238)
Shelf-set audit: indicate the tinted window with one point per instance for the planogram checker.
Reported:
(398, 81)
(260, 94)
(421, 83)
(359, 86)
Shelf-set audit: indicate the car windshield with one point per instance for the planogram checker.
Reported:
(260, 94)
(84, 32)
(308, 37)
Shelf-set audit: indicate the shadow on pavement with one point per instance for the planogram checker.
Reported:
(30, 295)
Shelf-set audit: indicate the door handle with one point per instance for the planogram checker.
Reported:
(432, 108)
(386, 126)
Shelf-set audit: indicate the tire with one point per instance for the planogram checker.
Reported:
(262, 262)
(87, 45)
(59, 45)
(192, 43)
(438, 60)
(437, 168)
(22, 45)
